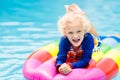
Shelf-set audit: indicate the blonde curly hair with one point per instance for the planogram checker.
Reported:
(73, 18)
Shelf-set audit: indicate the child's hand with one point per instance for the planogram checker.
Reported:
(65, 69)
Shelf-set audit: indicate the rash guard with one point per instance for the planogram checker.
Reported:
(87, 46)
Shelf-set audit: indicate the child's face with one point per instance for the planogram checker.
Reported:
(75, 34)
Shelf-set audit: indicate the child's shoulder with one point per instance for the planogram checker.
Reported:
(64, 39)
(88, 39)
(87, 35)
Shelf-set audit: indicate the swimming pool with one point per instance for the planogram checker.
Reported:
(26, 25)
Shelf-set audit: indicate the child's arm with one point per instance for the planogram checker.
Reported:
(61, 64)
(62, 54)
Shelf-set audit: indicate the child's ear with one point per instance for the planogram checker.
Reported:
(64, 33)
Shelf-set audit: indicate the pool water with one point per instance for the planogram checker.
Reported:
(26, 25)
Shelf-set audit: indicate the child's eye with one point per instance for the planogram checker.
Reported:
(78, 31)
(70, 32)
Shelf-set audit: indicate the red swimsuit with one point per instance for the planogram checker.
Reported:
(74, 55)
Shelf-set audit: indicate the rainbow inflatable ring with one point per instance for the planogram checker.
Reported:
(104, 65)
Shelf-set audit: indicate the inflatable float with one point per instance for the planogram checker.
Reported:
(104, 65)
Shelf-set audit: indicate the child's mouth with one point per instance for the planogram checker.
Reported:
(76, 40)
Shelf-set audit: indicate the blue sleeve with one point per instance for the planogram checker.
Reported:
(62, 54)
(87, 46)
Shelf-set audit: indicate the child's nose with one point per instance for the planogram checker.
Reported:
(75, 35)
